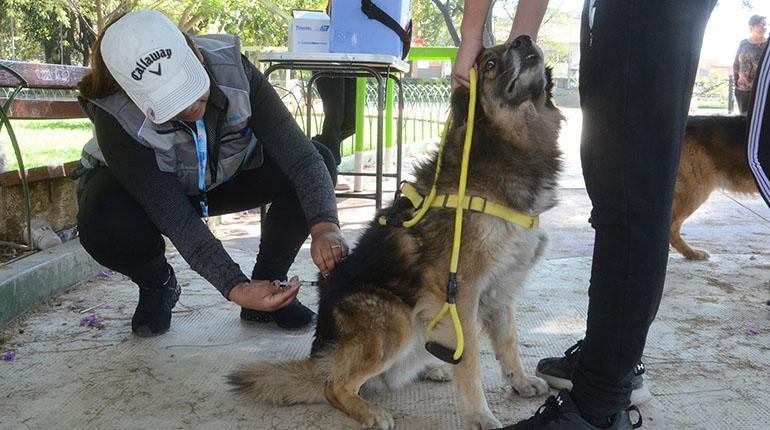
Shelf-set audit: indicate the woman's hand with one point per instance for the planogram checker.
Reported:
(466, 58)
(264, 295)
(327, 246)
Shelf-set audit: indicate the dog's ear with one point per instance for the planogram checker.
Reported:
(460, 98)
(549, 86)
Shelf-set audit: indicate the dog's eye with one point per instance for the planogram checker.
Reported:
(490, 64)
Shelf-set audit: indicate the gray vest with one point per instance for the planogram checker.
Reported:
(174, 146)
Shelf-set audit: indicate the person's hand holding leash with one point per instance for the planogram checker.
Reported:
(328, 247)
(264, 295)
(466, 58)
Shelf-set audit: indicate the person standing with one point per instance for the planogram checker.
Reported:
(637, 70)
(747, 60)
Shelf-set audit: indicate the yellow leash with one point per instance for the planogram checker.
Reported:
(450, 306)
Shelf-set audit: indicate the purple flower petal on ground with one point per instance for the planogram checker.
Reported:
(91, 321)
(82, 299)
(104, 275)
(752, 332)
(71, 306)
(9, 356)
(107, 306)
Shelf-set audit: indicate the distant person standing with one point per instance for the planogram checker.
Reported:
(747, 60)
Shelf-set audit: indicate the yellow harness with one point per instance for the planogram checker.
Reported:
(473, 203)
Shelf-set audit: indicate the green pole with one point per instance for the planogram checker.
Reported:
(389, 114)
(360, 106)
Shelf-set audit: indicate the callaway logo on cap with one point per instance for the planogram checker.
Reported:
(143, 64)
(149, 58)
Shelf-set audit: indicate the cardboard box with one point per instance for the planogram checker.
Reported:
(309, 31)
(354, 32)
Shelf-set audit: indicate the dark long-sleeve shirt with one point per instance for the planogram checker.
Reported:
(161, 196)
(746, 64)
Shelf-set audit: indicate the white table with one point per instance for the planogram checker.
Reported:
(379, 67)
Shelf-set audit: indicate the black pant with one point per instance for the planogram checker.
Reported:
(637, 70)
(758, 135)
(742, 97)
(338, 96)
(118, 234)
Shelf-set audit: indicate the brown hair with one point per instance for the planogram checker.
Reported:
(99, 83)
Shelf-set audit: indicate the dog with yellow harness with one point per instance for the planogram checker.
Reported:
(446, 260)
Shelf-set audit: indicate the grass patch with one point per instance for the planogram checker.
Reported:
(58, 124)
(46, 142)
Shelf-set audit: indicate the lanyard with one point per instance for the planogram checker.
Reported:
(200, 146)
(199, 136)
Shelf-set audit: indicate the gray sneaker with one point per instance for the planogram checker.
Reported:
(557, 372)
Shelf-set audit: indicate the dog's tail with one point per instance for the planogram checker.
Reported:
(281, 383)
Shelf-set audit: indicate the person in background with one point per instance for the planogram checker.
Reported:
(747, 59)
(637, 68)
(338, 96)
(187, 129)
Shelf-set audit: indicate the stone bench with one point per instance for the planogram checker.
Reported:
(51, 195)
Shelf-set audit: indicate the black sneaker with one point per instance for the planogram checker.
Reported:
(293, 316)
(152, 316)
(557, 372)
(560, 412)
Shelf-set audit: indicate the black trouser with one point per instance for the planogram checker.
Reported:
(118, 234)
(339, 101)
(742, 97)
(758, 134)
(637, 69)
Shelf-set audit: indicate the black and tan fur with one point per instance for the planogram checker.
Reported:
(713, 156)
(375, 306)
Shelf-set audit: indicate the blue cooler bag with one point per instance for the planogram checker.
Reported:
(363, 27)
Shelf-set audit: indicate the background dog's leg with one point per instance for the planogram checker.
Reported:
(500, 322)
(694, 184)
(467, 374)
(685, 203)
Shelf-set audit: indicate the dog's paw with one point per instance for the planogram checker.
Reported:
(528, 386)
(696, 254)
(440, 373)
(482, 420)
(376, 418)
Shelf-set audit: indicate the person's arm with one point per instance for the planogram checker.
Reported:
(162, 198)
(471, 31)
(529, 16)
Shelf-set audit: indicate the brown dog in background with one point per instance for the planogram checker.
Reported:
(713, 156)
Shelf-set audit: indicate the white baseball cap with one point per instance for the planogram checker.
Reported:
(149, 58)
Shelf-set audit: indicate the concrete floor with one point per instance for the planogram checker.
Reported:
(707, 356)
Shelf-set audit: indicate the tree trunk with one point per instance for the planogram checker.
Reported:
(448, 21)
(488, 33)
(99, 16)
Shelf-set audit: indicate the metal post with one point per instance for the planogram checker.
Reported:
(389, 125)
(61, 44)
(359, 146)
(13, 40)
(380, 146)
